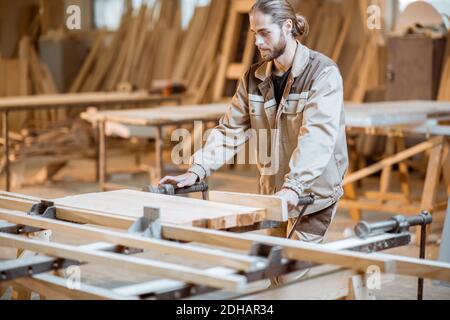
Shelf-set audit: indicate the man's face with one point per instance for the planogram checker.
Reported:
(269, 37)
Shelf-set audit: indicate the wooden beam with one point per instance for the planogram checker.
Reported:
(146, 266)
(67, 213)
(55, 288)
(80, 99)
(432, 178)
(396, 208)
(421, 147)
(295, 250)
(314, 252)
(311, 288)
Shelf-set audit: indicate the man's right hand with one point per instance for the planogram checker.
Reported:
(185, 180)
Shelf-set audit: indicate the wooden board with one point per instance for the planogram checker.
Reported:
(174, 209)
(393, 112)
(444, 89)
(276, 207)
(317, 253)
(80, 99)
(234, 30)
(160, 116)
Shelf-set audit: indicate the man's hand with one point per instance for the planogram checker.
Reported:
(185, 180)
(291, 197)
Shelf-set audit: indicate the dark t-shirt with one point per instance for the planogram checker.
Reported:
(279, 83)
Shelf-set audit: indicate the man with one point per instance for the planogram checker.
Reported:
(297, 93)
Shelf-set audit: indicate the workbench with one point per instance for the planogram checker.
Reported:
(398, 120)
(75, 100)
(193, 262)
(155, 118)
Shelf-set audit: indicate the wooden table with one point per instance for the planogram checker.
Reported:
(14, 104)
(394, 113)
(398, 120)
(156, 118)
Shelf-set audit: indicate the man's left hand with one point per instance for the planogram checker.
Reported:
(291, 197)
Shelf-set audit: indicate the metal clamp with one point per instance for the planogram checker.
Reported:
(44, 209)
(169, 189)
(149, 225)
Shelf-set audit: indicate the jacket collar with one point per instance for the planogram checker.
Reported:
(299, 64)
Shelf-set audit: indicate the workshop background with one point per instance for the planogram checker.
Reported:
(394, 57)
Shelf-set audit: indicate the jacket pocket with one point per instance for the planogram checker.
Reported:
(256, 112)
(293, 115)
(295, 103)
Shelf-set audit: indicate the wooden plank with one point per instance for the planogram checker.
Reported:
(159, 285)
(395, 207)
(421, 147)
(276, 207)
(178, 210)
(55, 288)
(160, 116)
(88, 62)
(394, 113)
(240, 262)
(446, 167)
(238, 11)
(432, 178)
(80, 99)
(145, 266)
(331, 285)
(70, 214)
(404, 172)
(386, 172)
(343, 32)
(316, 253)
(444, 91)
(292, 249)
(350, 188)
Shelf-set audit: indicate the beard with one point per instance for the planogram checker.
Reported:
(277, 51)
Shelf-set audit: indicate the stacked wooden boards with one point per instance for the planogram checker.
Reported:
(14, 82)
(129, 54)
(151, 45)
(176, 210)
(25, 76)
(238, 50)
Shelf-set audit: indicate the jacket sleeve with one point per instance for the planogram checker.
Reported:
(319, 131)
(226, 139)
